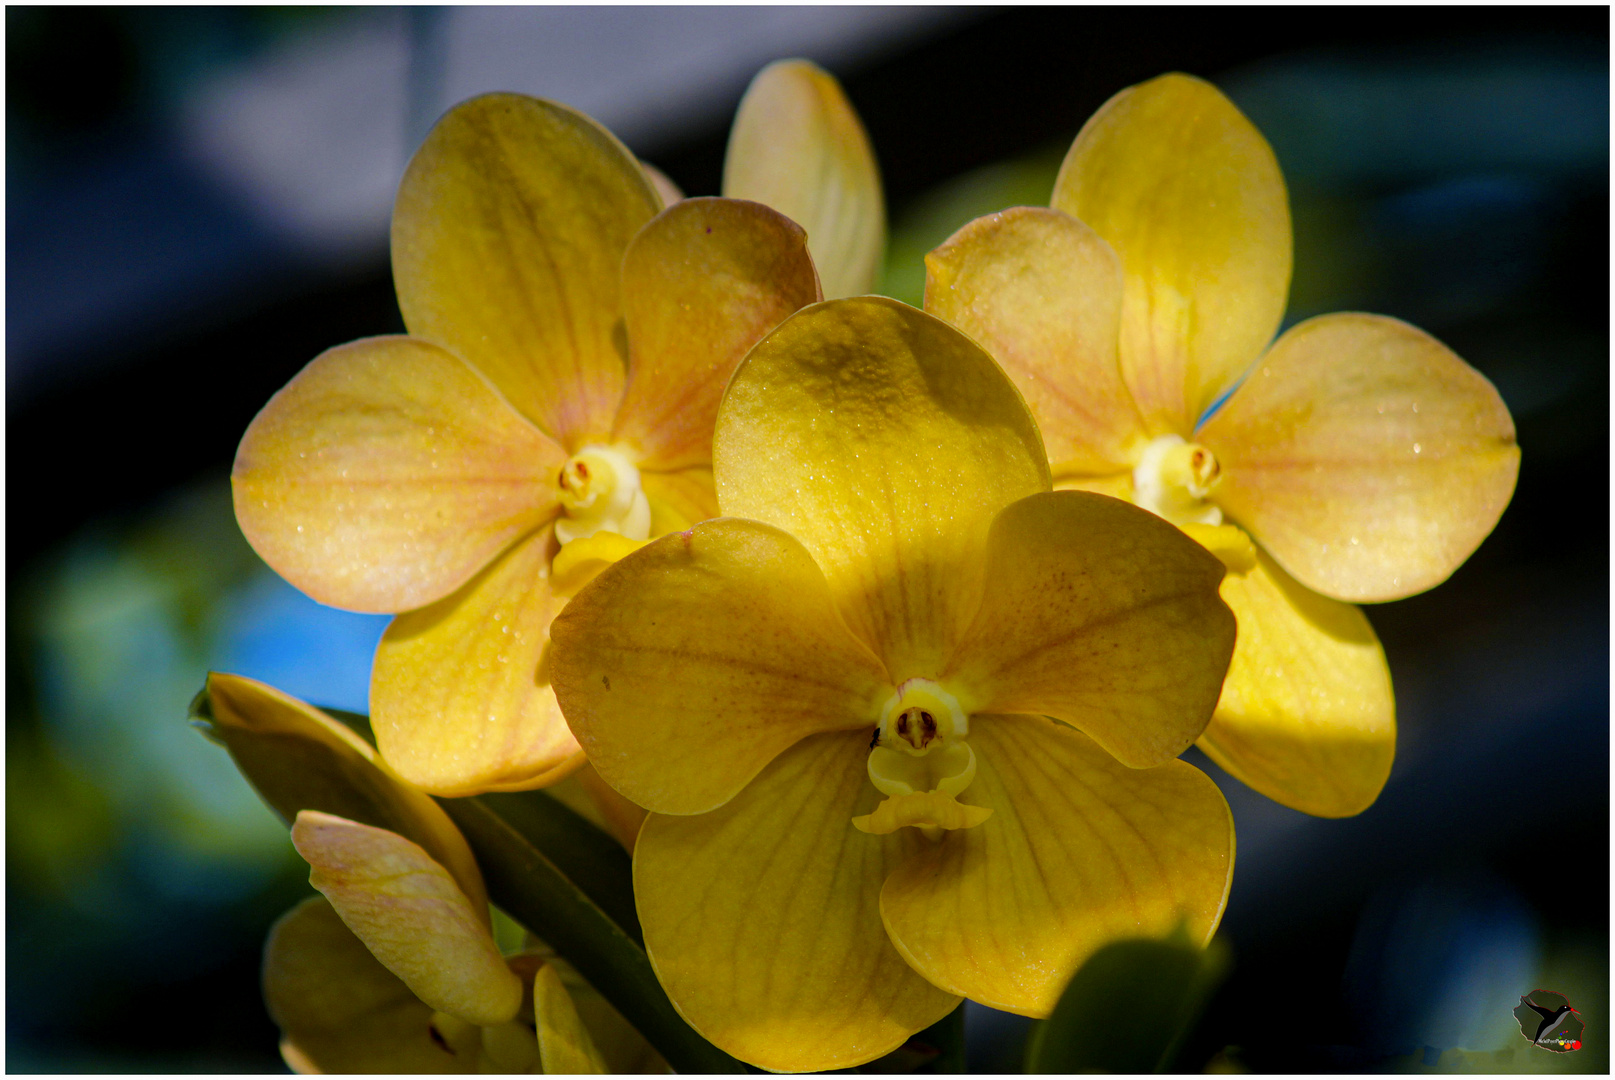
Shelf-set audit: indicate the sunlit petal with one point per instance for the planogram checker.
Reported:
(679, 499)
(1189, 194)
(798, 146)
(339, 1009)
(298, 758)
(508, 236)
(1104, 616)
(1365, 456)
(459, 695)
(1079, 851)
(701, 284)
(564, 1044)
(387, 473)
(884, 440)
(1306, 716)
(688, 666)
(762, 918)
(410, 915)
(1043, 293)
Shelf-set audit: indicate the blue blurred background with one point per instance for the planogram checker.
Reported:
(198, 203)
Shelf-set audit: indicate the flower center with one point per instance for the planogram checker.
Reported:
(1173, 478)
(920, 761)
(600, 493)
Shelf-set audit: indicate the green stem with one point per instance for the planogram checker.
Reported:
(527, 885)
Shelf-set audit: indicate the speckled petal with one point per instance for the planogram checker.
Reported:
(459, 694)
(387, 473)
(701, 284)
(1365, 456)
(1043, 293)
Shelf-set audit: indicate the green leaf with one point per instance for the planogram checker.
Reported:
(1128, 1008)
(591, 858)
(535, 892)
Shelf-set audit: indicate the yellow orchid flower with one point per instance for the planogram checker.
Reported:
(798, 146)
(550, 409)
(836, 704)
(1356, 459)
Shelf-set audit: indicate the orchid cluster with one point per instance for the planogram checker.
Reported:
(785, 663)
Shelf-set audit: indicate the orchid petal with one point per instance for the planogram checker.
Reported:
(298, 758)
(508, 236)
(1101, 615)
(884, 440)
(564, 1045)
(798, 146)
(1307, 715)
(679, 499)
(701, 284)
(1189, 194)
(1043, 293)
(339, 1008)
(459, 698)
(1365, 456)
(762, 918)
(687, 667)
(410, 914)
(1079, 851)
(387, 473)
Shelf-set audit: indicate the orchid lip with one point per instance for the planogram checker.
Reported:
(600, 492)
(1174, 478)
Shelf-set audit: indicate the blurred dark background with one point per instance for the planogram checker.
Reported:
(197, 205)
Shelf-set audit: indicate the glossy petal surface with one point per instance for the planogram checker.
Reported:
(459, 696)
(507, 240)
(387, 473)
(1189, 194)
(564, 1044)
(410, 914)
(762, 918)
(340, 1010)
(1101, 615)
(798, 146)
(701, 284)
(1365, 456)
(1080, 850)
(1043, 293)
(1307, 716)
(884, 440)
(687, 667)
(298, 758)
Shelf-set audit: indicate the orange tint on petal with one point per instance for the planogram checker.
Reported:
(387, 473)
(1043, 293)
(459, 696)
(1365, 456)
(701, 284)
(341, 1010)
